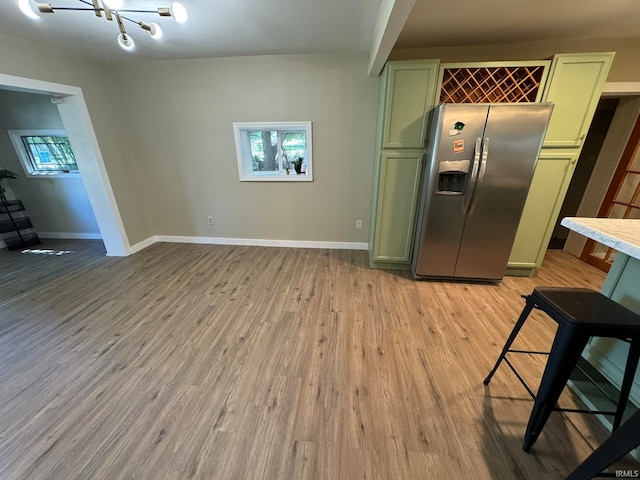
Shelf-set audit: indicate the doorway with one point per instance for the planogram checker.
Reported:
(77, 123)
(624, 98)
(593, 142)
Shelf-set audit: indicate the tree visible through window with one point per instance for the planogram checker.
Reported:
(44, 152)
(273, 151)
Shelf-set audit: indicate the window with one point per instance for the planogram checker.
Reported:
(274, 151)
(44, 152)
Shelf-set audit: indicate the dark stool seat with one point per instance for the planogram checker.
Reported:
(581, 314)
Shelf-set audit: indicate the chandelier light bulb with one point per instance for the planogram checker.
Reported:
(125, 41)
(113, 4)
(179, 12)
(27, 9)
(155, 31)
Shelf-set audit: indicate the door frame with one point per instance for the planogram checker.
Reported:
(629, 153)
(76, 120)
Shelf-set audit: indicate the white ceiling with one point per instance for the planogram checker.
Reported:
(251, 27)
(466, 22)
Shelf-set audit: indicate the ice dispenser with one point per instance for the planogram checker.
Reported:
(452, 176)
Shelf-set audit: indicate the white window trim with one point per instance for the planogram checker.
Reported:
(16, 140)
(245, 171)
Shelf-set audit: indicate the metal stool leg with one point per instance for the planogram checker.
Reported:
(514, 333)
(627, 382)
(622, 441)
(563, 357)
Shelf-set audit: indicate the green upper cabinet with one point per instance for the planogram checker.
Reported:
(410, 89)
(574, 86)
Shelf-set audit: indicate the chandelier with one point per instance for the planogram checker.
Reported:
(111, 9)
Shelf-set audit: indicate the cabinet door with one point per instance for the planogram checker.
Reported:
(397, 202)
(575, 85)
(546, 194)
(409, 98)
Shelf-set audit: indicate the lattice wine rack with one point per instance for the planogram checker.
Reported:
(491, 84)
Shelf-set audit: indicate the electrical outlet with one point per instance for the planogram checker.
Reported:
(210, 220)
(358, 224)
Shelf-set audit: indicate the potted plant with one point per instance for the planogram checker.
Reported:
(297, 164)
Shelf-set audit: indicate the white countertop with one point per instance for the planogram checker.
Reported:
(622, 235)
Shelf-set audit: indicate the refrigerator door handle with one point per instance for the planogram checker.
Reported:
(474, 175)
(483, 167)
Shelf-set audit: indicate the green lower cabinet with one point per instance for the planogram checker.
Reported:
(395, 209)
(548, 189)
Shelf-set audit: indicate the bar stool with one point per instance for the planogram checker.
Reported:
(580, 314)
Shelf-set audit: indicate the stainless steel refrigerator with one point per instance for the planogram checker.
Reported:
(479, 167)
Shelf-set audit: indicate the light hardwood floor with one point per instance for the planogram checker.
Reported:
(220, 362)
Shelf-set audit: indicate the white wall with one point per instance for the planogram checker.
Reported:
(179, 116)
(165, 132)
(55, 205)
(26, 59)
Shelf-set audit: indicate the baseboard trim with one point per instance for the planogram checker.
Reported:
(142, 245)
(250, 242)
(69, 235)
(519, 272)
(62, 235)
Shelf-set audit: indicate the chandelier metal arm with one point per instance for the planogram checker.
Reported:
(79, 9)
(137, 11)
(96, 8)
(72, 8)
(130, 19)
(96, 5)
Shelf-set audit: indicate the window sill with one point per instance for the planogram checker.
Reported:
(53, 175)
(276, 177)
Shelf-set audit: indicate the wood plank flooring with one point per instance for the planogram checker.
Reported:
(21, 272)
(222, 362)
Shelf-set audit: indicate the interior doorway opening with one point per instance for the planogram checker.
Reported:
(77, 123)
(593, 142)
(624, 99)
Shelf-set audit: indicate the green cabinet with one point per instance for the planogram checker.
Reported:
(397, 203)
(546, 194)
(407, 97)
(574, 86)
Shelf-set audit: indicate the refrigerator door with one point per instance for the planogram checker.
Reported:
(453, 159)
(511, 146)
